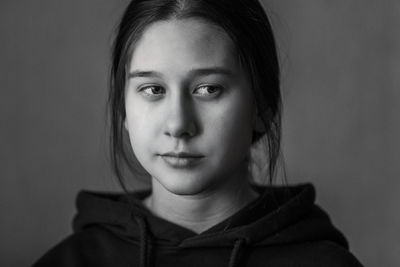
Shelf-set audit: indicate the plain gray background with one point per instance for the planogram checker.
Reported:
(341, 88)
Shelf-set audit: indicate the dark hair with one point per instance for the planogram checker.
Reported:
(247, 24)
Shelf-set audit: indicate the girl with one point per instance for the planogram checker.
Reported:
(195, 85)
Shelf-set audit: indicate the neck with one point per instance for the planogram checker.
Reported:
(201, 211)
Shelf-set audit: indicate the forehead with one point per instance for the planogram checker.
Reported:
(181, 44)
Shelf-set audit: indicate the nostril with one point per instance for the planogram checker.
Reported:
(180, 129)
(181, 133)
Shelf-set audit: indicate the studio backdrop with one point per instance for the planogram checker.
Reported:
(341, 88)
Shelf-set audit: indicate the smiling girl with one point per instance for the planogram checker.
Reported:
(195, 85)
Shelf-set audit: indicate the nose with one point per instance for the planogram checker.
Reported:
(180, 119)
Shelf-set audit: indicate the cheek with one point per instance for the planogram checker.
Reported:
(140, 127)
(239, 115)
(139, 114)
(232, 129)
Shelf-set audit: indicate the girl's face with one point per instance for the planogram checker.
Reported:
(189, 106)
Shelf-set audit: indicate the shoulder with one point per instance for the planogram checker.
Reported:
(94, 246)
(304, 254)
(327, 253)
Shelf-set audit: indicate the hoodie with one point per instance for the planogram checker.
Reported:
(282, 227)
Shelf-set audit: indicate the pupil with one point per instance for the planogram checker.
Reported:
(211, 89)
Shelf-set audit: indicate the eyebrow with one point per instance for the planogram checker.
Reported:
(192, 72)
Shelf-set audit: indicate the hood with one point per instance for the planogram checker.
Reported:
(281, 215)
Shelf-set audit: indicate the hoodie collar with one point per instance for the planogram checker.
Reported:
(280, 215)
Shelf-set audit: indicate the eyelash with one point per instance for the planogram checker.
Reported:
(217, 90)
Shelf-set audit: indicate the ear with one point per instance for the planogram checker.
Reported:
(126, 124)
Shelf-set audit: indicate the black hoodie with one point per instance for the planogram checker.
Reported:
(283, 227)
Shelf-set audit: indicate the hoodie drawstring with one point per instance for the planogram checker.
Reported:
(144, 242)
(145, 248)
(235, 254)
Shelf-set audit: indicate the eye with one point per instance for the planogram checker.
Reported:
(208, 90)
(152, 90)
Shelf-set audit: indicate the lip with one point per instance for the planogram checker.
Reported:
(181, 155)
(181, 162)
(181, 159)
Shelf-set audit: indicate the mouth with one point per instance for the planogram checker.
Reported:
(181, 155)
(181, 159)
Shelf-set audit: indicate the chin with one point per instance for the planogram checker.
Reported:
(185, 184)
